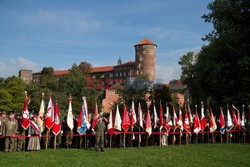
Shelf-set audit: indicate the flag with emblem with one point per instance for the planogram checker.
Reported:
(57, 126)
(49, 119)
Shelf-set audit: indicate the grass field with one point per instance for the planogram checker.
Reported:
(191, 155)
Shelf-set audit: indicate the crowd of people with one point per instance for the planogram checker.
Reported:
(13, 137)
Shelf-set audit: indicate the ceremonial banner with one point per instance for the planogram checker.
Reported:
(168, 122)
(180, 122)
(57, 126)
(222, 122)
(155, 117)
(197, 126)
(40, 118)
(212, 122)
(111, 124)
(203, 118)
(118, 120)
(186, 125)
(140, 116)
(148, 124)
(49, 120)
(82, 124)
(161, 117)
(133, 115)
(25, 115)
(125, 119)
(229, 121)
(95, 119)
(70, 119)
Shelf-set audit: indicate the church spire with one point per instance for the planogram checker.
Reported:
(119, 62)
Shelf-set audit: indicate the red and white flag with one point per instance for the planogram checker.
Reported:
(125, 119)
(186, 123)
(35, 126)
(49, 120)
(161, 117)
(203, 118)
(197, 125)
(168, 122)
(95, 119)
(25, 115)
(133, 115)
(140, 116)
(180, 122)
(148, 124)
(57, 126)
(175, 119)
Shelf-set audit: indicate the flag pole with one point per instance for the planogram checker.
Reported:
(221, 139)
(80, 141)
(124, 139)
(160, 135)
(55, 142)
(85, 139)
(47, 138)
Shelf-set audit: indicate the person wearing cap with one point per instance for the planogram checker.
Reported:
(3, 119)
(9, 132)
(34, 133)
(99, 131)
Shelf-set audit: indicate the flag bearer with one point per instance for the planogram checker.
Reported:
(99, 131)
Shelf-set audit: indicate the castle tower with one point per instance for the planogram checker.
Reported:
(145, 58)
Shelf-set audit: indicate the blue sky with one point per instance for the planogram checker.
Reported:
(38, 33)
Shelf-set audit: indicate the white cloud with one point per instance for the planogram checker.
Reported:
(167, 72)
(168, 68)
(61, 20)
(179, 52)
(11, 66)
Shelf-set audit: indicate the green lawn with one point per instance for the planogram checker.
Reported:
(191, 155)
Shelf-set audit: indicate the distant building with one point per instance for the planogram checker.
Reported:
(144, 64)
(26, 75)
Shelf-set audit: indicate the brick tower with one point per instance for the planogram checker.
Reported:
(145, 58)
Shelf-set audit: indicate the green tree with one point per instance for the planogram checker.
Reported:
(222, 69)
(6, 100)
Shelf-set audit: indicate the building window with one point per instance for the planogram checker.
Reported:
(110, 75)
(120, 74)
(124, 74)
(116, 74)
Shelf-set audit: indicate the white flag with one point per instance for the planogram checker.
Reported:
(118, 120)
(140, 115)
(70, 121)
(155, 117)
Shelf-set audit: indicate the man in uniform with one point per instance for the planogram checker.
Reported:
(10, 130)
(2, 127)
(18, 141)
(99, 131)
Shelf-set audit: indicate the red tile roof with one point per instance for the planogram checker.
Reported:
(92, 70)
(61, 72)
(145, 41)
(101, 69)
(56, 73)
